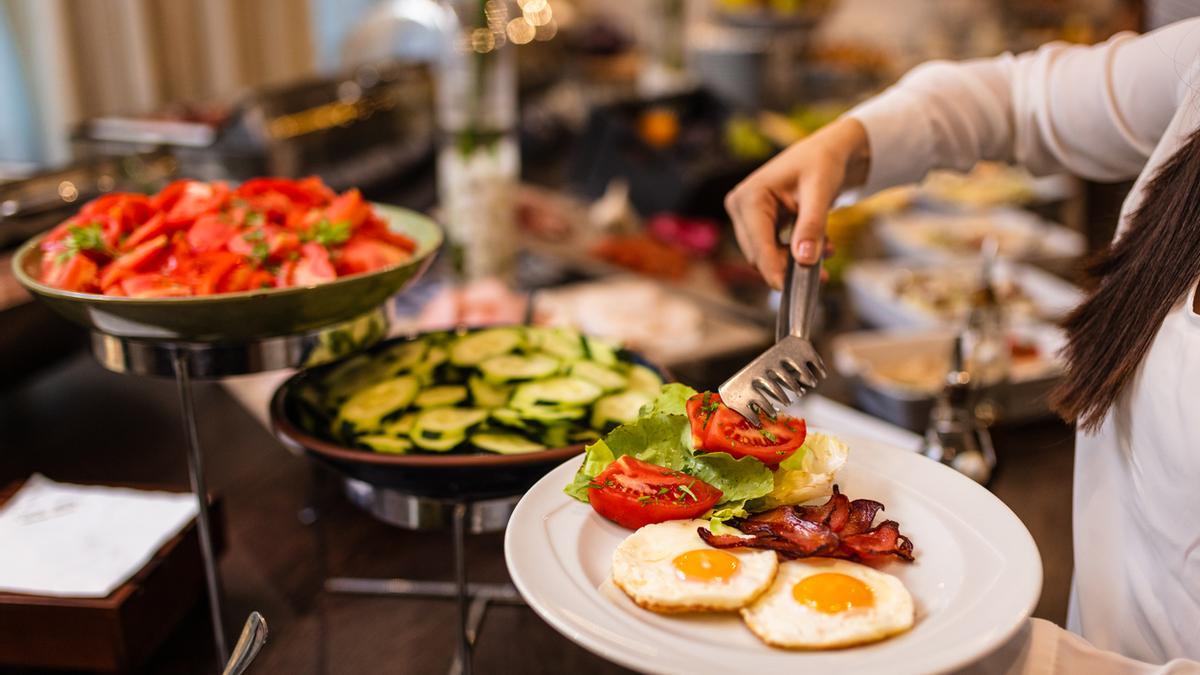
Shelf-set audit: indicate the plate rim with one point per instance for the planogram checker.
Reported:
(964, 653)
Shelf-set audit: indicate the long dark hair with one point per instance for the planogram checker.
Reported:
(1140, 278)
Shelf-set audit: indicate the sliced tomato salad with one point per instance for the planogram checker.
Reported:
(197, 238)
(718, 428)
(633, 493)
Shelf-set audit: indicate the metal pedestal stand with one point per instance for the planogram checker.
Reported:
(417, 513)
(187, 361)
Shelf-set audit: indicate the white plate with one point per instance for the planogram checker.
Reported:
(977, 577)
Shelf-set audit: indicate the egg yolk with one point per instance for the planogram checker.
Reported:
(706, 564)
(831, 592)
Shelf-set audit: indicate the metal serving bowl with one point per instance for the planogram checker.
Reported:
(481, 475)
(248, 315)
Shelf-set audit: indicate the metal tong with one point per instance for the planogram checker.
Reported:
(792, 364)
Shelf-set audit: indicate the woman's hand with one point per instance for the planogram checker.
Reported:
(802, 180)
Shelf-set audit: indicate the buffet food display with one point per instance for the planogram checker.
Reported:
(912, 294)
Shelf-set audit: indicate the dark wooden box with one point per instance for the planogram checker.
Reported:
(112, 634)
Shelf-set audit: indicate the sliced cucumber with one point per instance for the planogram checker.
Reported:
(405, 356)
(475, 348)
(441, 397)
(510, 418)
(555, 391)
(642, 378)
(583, 436)
(402, 426)
(617, 409)
(605, 378)
(561, 343)
(486, 394)
(556, 437)
(512, 368)
(386, 444)
(349, 377)
(434, 357)
(447, 422)
(428, 440)
(366, 409)
(505, 443)
(600, 351)
(547, 414)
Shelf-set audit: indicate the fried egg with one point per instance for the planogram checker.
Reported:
(668, 568)
(822, 603)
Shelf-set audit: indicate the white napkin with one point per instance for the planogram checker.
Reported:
(83, 540)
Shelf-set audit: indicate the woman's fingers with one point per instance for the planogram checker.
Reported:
(816, 191)
(753, 211)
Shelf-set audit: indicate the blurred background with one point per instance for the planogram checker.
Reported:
(577, 153)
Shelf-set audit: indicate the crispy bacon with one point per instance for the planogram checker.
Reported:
(839, 528)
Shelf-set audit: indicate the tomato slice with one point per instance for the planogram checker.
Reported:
(154, 286)
(143, 256)
(719, 428)
(156, 225)
(76, 274)
(362, 254)
(633, 493)
(348, 207)
(210, 233)
(313, 267)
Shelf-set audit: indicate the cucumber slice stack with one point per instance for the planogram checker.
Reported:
(511, 390)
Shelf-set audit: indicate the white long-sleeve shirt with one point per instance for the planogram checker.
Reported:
(1108, 112)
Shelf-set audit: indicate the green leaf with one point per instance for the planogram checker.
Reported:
(671, 400)
(328, 233)
(80, 238)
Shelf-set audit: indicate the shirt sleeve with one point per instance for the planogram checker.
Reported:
(1095, 111)
(1042, 648)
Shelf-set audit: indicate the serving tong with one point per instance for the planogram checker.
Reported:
(792, 364)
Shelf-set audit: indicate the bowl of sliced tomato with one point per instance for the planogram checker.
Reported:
(210, 262)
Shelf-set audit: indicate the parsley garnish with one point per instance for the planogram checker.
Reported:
(594, 485)
(688, 491)
(80, 238)
(644, 499)
(770, 436)
(260, 251)
(328, 233)
(663, 490)
(254, 218)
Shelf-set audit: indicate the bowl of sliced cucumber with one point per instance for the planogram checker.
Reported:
(482, 412)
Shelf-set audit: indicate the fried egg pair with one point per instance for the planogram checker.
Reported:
(668, 568)
(823, 603)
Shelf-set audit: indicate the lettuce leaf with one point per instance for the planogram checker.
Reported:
(671, 400)
(662, 435)
(808, 474)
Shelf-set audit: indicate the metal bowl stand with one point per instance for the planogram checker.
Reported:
(461, 516)
(186, 361)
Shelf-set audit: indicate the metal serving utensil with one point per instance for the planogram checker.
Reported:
(792, 364)
(254, 636)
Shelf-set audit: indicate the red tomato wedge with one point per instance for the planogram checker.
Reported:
(196, 238)
(633, 493)
(718, 428)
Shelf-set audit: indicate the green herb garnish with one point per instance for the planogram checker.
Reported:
(327, 233)
(688, 491)
(81, 238)
(770, 436)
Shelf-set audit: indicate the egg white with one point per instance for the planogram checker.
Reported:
(779, 620)
(643, 568)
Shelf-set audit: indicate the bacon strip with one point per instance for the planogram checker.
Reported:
(839, 528)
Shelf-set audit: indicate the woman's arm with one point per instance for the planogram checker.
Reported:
(1094, 111)
(1097, 112)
